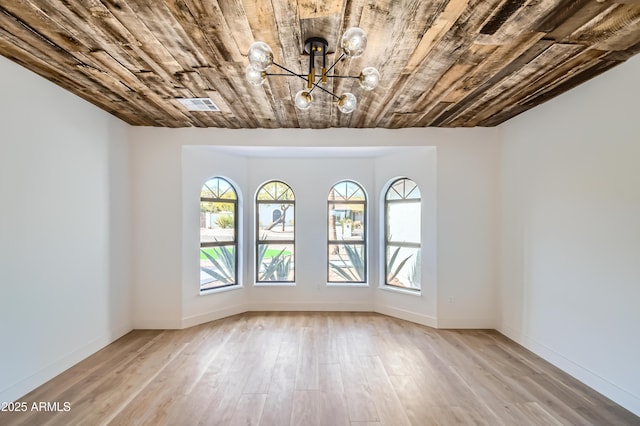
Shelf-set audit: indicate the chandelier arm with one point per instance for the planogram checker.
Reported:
(290, 72)
(312, 62)
(336, 62)
(324, 90)
(355, 77)
(269, 74)
(314, 84)
(332, 76)
(304, 76)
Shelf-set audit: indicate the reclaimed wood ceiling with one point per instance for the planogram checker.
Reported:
(444, 63)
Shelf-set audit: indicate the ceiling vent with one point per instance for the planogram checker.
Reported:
(199, 104)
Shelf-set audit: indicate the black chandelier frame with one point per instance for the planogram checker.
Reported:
(315, 46)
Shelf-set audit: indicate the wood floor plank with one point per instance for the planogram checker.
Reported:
(418, 410)
(333, 409)
(249, 410)
(330, 378)
(388, 406)
(277, 409)
(307, 377)
(360, 403)
(305, 409)
(106, 399)
(279, 402)
(333, 369)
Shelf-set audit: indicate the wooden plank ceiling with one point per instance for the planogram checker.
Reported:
(444, 63)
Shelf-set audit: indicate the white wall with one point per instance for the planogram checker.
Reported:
(468, 220)
(64, 225)
(169, 167)
(571, 236)
(156, 233)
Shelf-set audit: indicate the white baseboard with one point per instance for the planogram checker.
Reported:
(466, 323)
(190, 321)
(22, 387)
(213, 315)
(311, 307)
(407, 315)
(157, 324)
(269, 307)
(612, 391)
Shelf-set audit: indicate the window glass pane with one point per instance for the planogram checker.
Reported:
(403, 222)
(403, 266)
(275, 262)
(276, 221)
(206, 192)
(217, 266)
(217, 222)
(275, 191)
(403, 189)
(347, 263)
(346, 191)
(346, 222)
(218, 188)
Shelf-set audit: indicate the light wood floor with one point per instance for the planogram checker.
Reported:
(308, 369)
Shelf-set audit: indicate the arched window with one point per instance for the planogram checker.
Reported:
(218, 234)
(402, 205)
(347, 236)
(275, 233)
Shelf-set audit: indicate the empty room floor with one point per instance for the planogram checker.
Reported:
(329, 368)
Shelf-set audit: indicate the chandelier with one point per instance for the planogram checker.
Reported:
(353, 43)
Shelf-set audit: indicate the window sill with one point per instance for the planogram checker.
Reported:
(401, 290)
(220, 289)
(342, 285)
(274, 284)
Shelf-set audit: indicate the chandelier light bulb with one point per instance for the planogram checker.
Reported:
(347, 103)
(369, 78)
(303, 100)
(254, 75)
(353, 42)
(260, 55)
